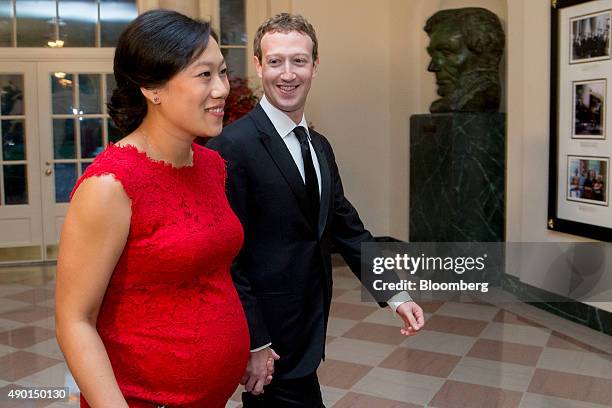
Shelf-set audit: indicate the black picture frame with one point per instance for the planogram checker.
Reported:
(560, 210)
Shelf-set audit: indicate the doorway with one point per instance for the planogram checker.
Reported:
(53, 123)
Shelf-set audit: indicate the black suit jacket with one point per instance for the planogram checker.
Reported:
(283, 273)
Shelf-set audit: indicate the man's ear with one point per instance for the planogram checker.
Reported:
(258, 66)
(316, 67)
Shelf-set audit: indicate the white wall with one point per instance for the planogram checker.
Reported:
(350, 99)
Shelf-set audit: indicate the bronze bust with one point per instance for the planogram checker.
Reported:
(466, 46)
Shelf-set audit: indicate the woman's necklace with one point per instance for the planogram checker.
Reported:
(151, 148)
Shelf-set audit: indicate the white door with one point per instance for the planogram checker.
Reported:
(21, 237)
(74, 129)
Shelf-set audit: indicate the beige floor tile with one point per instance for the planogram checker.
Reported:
(25, 336)
(456, 325)
(339, 266)
(11, 289)
(340, 374)
(493, 374)
(28, 314)
(431, 306)
(440, 342)
(421, 362)
(386, 316)
(454, 394)
(56, 376)
(559, 324)
(49, 284)
(34, 276)
(346, 283)
(355, 400)
(533, 336)
(47, 303)
(571, 386)
(6, 325)
(577, 362)
(377, 333)
(506, 352)
(64, 404)
(331, 395)
(351, 311)
(504, 316)
(337, 326)
(21, 364)
(562, 341)
(36, 295)
(8, 305)
(541, 401)
(48, 348)
(468, 311)
(4, 350)
(337, 292)
(357, 296)
(47, 323)
(399, 385)
(358, 351)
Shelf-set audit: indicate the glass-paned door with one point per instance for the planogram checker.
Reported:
(233, 37)
(20, 204)
(75, 128)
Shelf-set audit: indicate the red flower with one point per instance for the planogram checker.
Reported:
(240, 101)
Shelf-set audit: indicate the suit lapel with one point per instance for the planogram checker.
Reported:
(325, 180)
(279, 153)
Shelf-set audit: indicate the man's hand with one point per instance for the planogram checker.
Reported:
(412, 314)
(259, 370)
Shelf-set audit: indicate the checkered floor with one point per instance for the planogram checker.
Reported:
(469, 355)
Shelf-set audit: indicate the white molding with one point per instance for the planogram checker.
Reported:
(48, 54)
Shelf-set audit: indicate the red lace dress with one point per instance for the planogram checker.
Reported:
(171, 320)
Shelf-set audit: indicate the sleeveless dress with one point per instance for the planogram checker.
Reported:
(171, 320)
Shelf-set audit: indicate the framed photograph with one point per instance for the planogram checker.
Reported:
(580, 143)
(589, 115)
(590, 37)
(587, 179)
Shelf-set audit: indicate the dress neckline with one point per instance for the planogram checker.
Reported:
(160, 163)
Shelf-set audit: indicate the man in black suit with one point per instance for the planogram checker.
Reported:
(284, 186)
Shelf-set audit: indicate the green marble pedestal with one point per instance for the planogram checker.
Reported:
(457, 177)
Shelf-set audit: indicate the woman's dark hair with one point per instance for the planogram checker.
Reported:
(151, 50)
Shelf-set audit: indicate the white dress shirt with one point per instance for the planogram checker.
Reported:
(284, 126)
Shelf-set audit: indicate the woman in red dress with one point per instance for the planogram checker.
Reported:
(147, 314)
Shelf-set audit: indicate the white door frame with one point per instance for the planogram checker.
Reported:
(21, 225)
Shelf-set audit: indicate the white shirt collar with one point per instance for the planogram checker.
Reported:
(282, 123)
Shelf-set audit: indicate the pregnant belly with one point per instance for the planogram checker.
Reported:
(180, 361)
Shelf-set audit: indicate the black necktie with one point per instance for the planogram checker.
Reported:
(312, 184)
